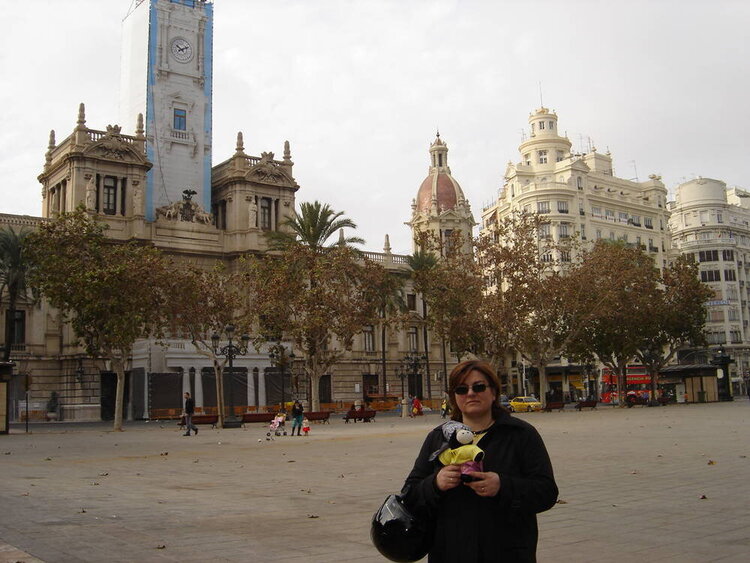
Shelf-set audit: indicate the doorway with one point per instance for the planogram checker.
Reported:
(108, 393)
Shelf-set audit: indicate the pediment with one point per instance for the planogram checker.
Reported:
(580, 165)
(268, 171)
(114, 146)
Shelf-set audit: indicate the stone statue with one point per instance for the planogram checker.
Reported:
(252, 213)
(91, 194)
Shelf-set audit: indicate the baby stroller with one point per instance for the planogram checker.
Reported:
(277, 426)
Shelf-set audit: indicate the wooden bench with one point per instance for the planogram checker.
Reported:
(560, 405)
(165, 414)
(586, 404)
(364, 416)
(318, 416)
(249, 417)
(211, 419)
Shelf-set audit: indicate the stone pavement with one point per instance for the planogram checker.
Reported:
(631, 482)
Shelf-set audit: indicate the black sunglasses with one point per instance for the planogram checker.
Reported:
(464, 389)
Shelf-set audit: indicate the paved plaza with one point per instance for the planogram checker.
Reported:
(641, 484)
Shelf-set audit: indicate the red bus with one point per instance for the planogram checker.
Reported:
(638, 381)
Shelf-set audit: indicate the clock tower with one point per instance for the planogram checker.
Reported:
(167, 76)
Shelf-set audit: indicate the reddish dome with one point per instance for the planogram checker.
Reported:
(444, 187)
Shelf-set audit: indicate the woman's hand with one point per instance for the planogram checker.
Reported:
(485, 484)
(448, 477)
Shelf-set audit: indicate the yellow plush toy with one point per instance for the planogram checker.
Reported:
(459, 449)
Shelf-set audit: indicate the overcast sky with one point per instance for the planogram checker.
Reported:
(359, 88)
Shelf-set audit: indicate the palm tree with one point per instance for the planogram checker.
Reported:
(14, 269)
(310, 229)
(313, 226)
(421, 263)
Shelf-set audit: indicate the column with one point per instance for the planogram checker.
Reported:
(185, 380)
(262, 388)
(251, 387)
(198, 386)
(146, 405)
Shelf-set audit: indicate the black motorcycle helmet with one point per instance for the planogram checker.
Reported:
(397, 534)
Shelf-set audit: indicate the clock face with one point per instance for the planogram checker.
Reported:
(182, 50)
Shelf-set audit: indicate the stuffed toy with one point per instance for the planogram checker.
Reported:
(305, 426)
(458, 449)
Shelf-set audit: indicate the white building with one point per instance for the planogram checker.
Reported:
(580, 193)
(712, 224)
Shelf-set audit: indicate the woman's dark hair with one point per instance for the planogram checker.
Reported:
(460, 372)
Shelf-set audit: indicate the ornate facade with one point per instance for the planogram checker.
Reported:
(580, 194)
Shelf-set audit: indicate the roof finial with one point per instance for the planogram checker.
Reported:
(287, 152)
(50, 148)
(387, 245)
(139, 126)
(438, 132)
(81, 116)
(342, 240)
(240, 148)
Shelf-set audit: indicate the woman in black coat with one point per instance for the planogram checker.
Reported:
(493, 517)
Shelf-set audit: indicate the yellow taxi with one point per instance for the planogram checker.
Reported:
(525, 404)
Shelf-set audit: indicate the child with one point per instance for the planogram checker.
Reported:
(305, 426)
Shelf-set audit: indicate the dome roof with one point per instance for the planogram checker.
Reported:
(439, 187)
(443, 188)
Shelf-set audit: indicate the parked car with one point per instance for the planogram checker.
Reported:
(505, 402)
(525, 404)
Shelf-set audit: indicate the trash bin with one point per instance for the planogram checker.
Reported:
(701, 396)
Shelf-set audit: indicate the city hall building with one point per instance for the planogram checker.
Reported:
(150, 178)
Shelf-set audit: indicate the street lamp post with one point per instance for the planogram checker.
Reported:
(230, 352)
(587, 368)
(401, 373)
(412, 364)
(722, 360)
(280, 358)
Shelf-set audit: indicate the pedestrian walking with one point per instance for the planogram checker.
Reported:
(188, 412)
(444, 408)
(297, 417)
